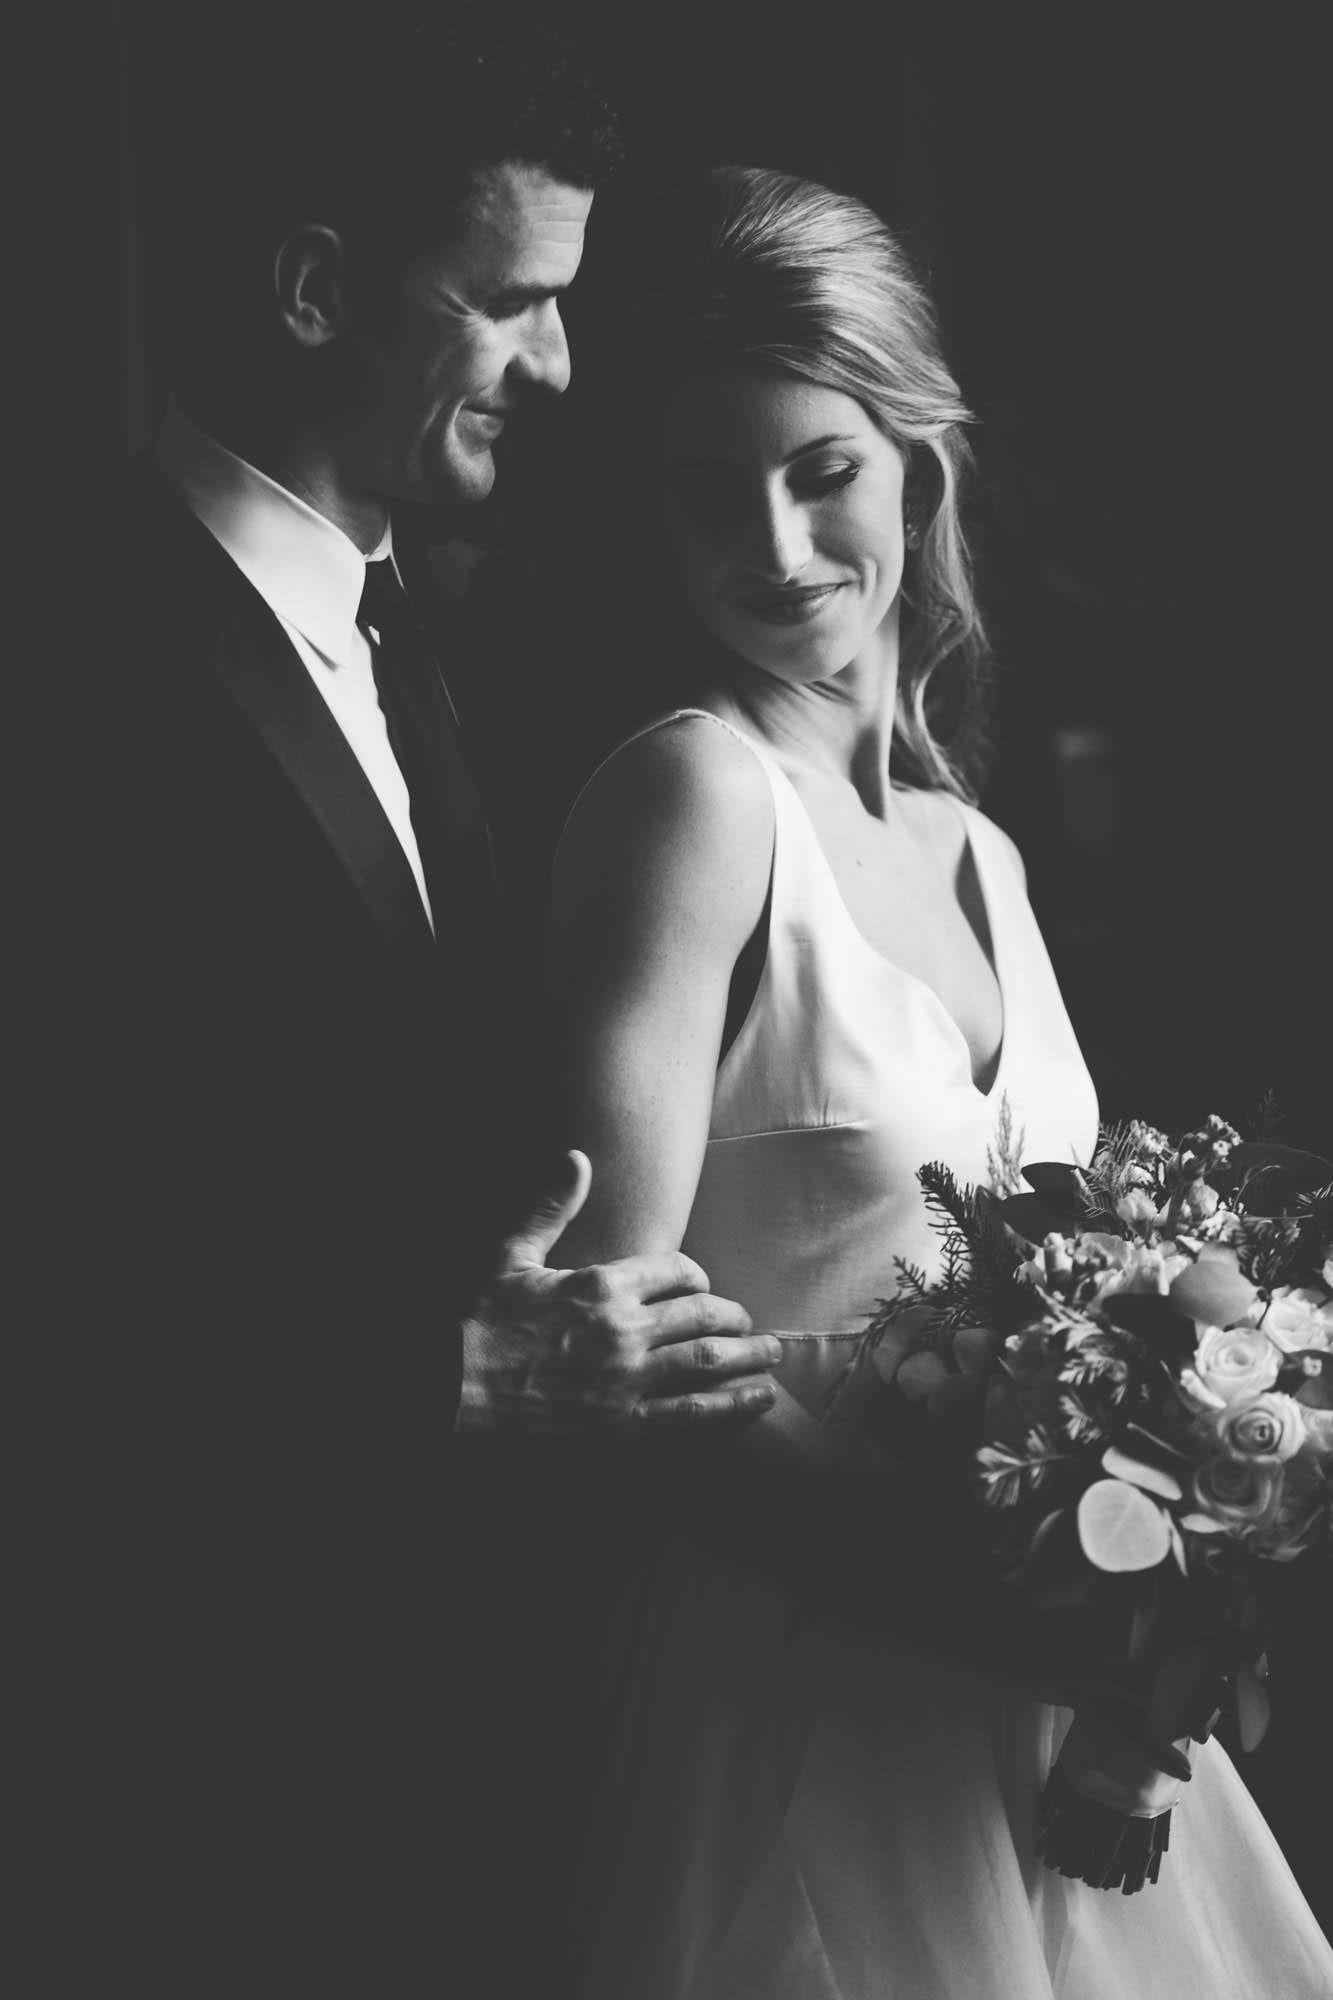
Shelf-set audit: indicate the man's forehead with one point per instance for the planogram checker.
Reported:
(519, 214)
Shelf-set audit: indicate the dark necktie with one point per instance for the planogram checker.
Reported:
(447, 815)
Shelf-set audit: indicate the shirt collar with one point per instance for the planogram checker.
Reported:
(307, 570)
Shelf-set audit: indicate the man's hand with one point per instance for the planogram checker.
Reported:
(637, 1343)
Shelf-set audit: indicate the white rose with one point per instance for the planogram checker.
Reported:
(1298, 1317)
(1265, 1431)
(1137, 1208)
(1318, 1430)
(1238, 1493)
(1231, 1363)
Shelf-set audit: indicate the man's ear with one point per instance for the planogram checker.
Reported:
(309, 283)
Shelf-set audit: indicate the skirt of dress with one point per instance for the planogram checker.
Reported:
(744, 1807)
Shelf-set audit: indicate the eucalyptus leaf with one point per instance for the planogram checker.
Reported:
(1202, 1524)
(1120, 1528)
(1178, 1690)
(1144, 1623)
(1061, 1186)
(1150, 1477)
(1308, 1170)
(1156, 1320)
(1053, 1570)
(1213, 1289)
(1031, 1217)
(1273, 1175)
(1253, 1709)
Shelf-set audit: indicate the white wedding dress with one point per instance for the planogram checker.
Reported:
(802, 1816)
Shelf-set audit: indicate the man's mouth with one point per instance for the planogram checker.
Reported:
(491, 421)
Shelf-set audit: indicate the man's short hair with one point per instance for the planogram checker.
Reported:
(374, 121)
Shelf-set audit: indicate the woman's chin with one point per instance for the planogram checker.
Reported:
(802, 664)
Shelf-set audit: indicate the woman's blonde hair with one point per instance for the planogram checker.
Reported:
(747, 265)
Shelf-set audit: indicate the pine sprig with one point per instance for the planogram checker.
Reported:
(977, 1283)
(1116, 1168)
(950, 1203)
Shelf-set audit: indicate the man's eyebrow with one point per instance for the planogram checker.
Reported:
(815, 444)
(525, 295)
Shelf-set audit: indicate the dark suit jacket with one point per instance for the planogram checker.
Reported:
(262, 1181)
(268, 1079)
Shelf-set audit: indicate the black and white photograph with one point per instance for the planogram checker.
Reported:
(674, 1101)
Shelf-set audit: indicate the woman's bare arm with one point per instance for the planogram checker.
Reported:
(660, 880)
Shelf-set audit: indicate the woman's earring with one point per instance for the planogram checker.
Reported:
(911, 534)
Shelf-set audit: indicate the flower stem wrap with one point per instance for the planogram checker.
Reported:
(1106, 1809)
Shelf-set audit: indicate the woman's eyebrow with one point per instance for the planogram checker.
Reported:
(815, 444)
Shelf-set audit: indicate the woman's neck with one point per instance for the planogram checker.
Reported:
(839, 729)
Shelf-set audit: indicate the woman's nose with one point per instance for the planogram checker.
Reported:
(784, 542)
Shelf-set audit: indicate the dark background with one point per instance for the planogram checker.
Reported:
(1121, 212)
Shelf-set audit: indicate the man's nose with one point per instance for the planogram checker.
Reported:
(543, 356)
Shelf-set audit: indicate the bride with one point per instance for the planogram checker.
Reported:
(787, 961)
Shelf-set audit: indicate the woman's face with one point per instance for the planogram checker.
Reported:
(782, 504)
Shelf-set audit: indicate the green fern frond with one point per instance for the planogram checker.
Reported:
(1264, 1121)
(1080, 1425)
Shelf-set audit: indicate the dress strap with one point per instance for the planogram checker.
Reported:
(660, 722)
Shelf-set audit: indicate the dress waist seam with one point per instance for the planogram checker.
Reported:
(792, 1131)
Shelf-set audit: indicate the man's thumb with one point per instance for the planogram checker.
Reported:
(550, 1214)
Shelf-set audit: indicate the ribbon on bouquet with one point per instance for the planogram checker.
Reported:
(1106, 1810)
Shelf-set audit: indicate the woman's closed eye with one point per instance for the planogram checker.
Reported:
(814, 482)
(713, 496)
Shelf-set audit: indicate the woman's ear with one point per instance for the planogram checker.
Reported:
(309, 271)
(921, 494)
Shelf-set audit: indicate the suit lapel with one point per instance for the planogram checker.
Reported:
(255, 664)
(253, 661)
(338, 914)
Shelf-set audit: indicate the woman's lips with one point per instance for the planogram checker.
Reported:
(790, 606)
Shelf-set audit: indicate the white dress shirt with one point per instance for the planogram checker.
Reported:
(311, 576)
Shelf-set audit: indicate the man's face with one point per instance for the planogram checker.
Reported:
(465, 336)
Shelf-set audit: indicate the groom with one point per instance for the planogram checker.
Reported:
(275, 1244)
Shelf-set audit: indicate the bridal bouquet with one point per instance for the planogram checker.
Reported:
(1148, 1344)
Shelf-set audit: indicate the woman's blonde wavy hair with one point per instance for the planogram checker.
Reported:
(752, 266)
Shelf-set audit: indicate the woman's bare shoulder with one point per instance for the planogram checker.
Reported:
(679, 818)
(686, 779)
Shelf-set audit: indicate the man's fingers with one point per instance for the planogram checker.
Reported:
(656, 1275)
(688, 1360)
(707, 1407)
(549, 1216)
